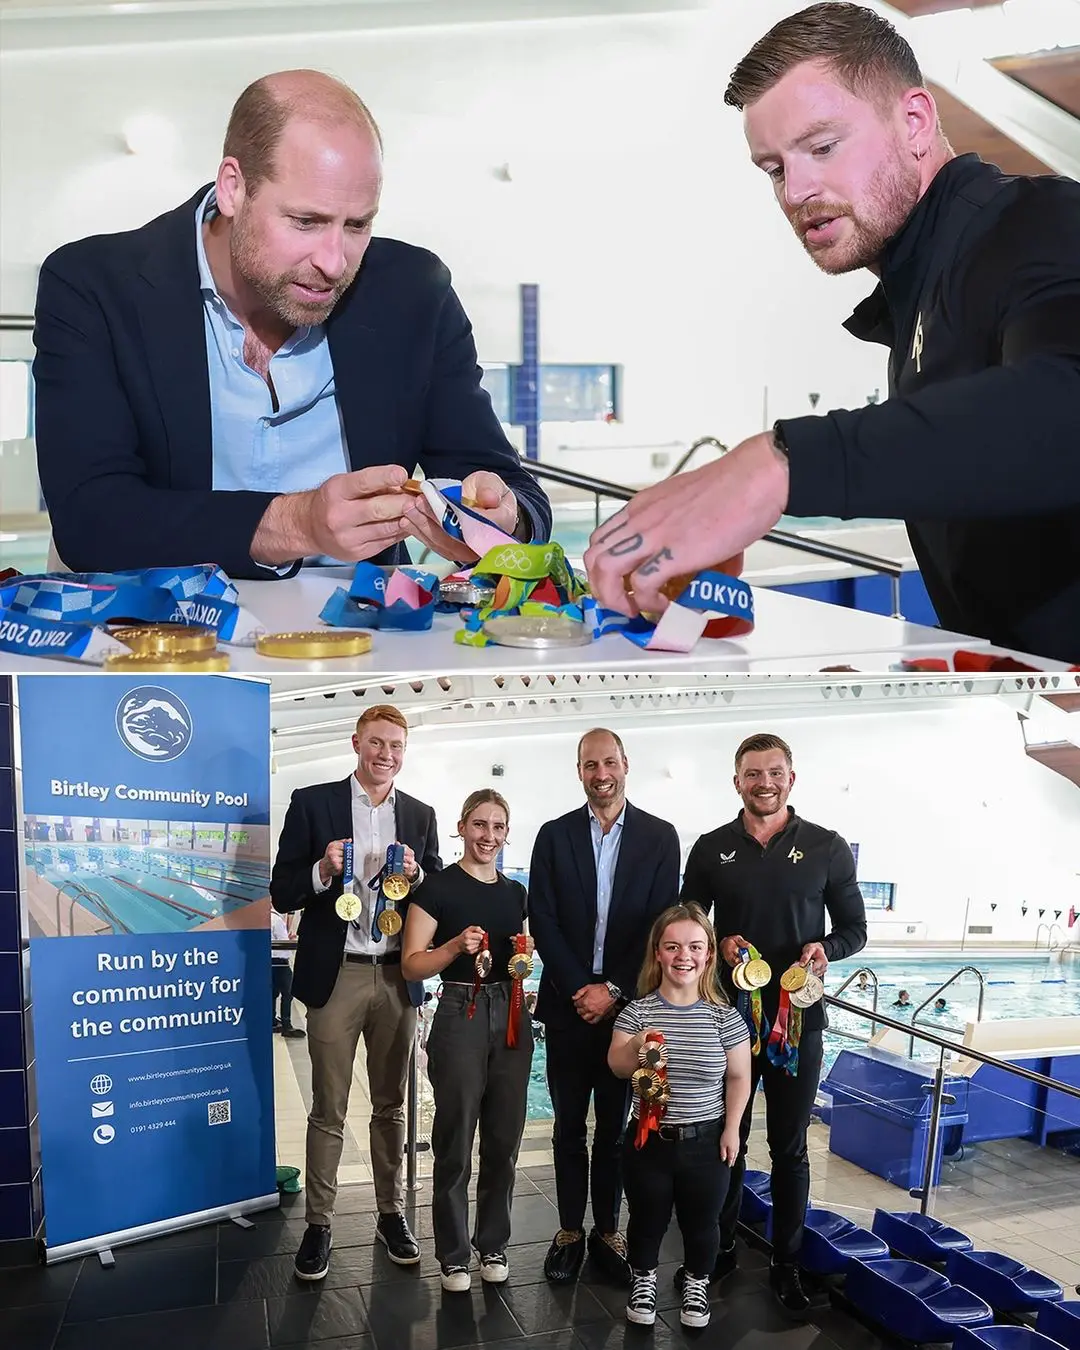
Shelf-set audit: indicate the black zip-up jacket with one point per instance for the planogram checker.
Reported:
(978, 445)
(777, 897)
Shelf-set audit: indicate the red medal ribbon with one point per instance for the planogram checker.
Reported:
(485, 946)
(650, 1113)
(517, 995)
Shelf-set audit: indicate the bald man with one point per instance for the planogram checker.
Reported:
(251, 378)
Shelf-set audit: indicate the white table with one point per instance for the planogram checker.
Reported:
(792, 634)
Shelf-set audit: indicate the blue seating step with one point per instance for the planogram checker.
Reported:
(918, 1236)
(831, 1242)
(1003, 1338)
(1006, 1284)
(912, 1301)
(1061, 1322)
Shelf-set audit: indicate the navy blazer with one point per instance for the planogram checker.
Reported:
(316, 816)
(562, 905)
(122, 388)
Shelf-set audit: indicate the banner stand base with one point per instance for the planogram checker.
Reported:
(102, 1245)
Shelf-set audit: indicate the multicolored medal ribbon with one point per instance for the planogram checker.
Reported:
(799, 988)
(390, 885)
(708, 604)
(650, 1085)
(348, 905)
(530, 581)
(520, 967)
(401, 598)
(749, 977)
(481, 970)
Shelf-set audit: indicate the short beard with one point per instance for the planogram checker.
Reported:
(274, 291)
(891, 197)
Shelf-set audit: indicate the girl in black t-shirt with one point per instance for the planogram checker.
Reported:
(479, 1049)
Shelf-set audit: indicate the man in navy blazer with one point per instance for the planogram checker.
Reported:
(229, 384)
(348, 974)
(598, 878)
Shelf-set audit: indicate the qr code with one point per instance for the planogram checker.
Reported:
(219, 1113)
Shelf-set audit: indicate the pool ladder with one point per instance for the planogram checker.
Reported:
(872, 976)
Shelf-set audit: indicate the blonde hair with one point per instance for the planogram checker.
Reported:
(482, 797)
(649, 978)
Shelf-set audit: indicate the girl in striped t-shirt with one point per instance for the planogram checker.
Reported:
(686, 1162)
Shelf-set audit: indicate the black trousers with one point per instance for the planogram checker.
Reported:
(788, 1102)
(577, 1072)
(281, 985)
(686, 1174)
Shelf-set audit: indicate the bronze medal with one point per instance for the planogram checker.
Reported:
(652, 1057)
(483, 964)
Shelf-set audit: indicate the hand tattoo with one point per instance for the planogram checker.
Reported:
(653, 565)
(612, 526)
(626, 546)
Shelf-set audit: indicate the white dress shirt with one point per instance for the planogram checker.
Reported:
(374, 829)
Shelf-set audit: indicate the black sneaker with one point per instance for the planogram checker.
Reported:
(787, 1289)
(276, 1025)
(313, 1258)
(695, 1301)
(641, 1305)
(401, 1246)
(727, 1263)
(293, 1033)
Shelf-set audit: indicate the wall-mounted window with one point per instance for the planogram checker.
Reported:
(568, 393)
(878, 894)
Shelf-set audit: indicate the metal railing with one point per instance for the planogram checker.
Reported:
(850, 557)
(924, 1193)
(863, 970)
(1049, 934)
(701, 440)
(964, 970)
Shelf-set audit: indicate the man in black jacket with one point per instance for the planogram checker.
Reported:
(770, 878)
(251, 378)
(348, 974)
(979, 305)
(598, 878)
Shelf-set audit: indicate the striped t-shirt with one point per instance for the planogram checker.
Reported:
(697, 1038)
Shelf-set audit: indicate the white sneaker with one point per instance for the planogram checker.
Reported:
(641, 1307)
(695, 1301)
(456, 1279)
(494, 1267)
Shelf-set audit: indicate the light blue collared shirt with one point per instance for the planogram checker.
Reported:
(606, 857)
(255, 448)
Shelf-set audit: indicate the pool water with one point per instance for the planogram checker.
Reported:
(1015, 988)
(128, 888)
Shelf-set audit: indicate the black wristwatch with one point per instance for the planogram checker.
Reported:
(779, 441)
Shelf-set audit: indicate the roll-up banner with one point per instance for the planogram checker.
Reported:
(146, 838)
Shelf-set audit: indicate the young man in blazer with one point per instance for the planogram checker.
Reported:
(599, 876)
(250, 378)
(348, 975)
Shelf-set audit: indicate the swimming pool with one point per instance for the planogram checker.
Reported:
(1028, 987)
(126, 888)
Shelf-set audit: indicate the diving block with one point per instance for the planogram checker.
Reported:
(918, 1236)
(913, 1302)
(1004, 1283)
(755, 1205)
(1061, 1322)
(1003, 1338)
(831, 1242)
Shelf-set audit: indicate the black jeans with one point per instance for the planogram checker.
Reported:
(788, 1102)
(281, 985)
(686, 1174)
(577, 1071)
(478, 1081)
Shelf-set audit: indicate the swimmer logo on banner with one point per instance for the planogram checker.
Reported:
(146, 843)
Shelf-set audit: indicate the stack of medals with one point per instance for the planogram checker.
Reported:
(650, 1085)
(799, 989)
(348, 905)
(520, 968)
(174, 648)
(750, 976)
(394, 886)
(482, 968)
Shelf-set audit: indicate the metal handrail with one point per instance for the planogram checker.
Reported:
(701, 440)
(968, 1052)
(851, 557)
(863, 970)
(964, 970)
(1049, 934)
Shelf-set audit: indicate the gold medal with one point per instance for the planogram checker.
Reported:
(811, 992)
(176, 663)
(757, 973)
(793, 978)
(482, 964)
(649, 1086)
(389, 922)
(738, 977)
(520, 966)
(318, 645)
(165, 639)
(395, 886)
(348, 906)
